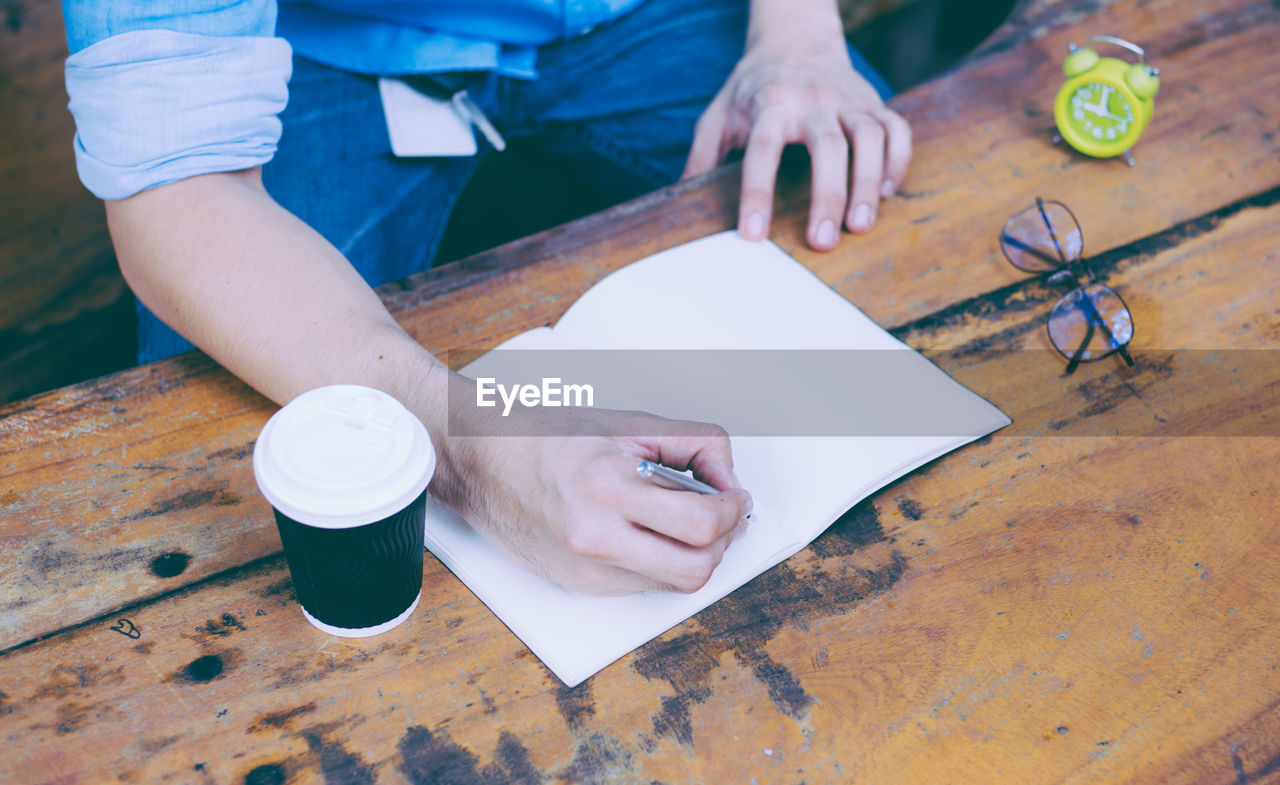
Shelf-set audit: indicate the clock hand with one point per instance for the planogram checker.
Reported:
(1100, 108)
(1101, 111)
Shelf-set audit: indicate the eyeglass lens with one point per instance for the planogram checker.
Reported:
(1090, 322)
(1042, 238)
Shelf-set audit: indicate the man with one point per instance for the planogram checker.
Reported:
(176, 112)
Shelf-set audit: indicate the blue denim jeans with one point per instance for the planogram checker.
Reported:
(623, 98)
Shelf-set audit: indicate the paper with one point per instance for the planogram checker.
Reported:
(421, 126)
(719, 293)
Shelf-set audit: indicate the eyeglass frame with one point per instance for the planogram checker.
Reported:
(1065, 269)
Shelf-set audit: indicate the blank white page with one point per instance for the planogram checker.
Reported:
(717, 293)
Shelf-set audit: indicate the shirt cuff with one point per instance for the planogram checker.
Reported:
(155, 106)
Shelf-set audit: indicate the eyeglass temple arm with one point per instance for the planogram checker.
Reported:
(1073, 361)
(1095, 318)
(1021, 246)
(1062, 257)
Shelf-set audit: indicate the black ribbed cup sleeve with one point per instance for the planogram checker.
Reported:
(358, 577)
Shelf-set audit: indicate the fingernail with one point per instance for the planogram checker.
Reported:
(862, 218)
(827, 233)
(755, 226)
(886, 189)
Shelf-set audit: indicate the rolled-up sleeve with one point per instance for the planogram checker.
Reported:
(156, 106)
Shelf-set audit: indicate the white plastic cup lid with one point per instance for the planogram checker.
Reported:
(342, 456)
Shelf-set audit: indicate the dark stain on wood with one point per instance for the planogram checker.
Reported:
(169, 565)
(856, 529)
(66, 679)
(267, 774)
(433, 757)
(783, 687)
(575, 703)
(1105, 393)
(152, 746)
(304, 672)
(282, 588)
(747, 619)
(232, 454)
(599, 758)
(427, 757)
(910, 509)
(673, 720)
(72, 717)
(280, 719)
(206, 668)
(189, 500)
(49, 559)
(1241, 777)
(338, 765)
(514, 761)
(220, 627)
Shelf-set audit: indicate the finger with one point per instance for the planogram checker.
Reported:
(707, 150)
(696, 520)
(670, 565)
(829, 156)
(868, 168)
(759, 174)
(898, 150)
(702, 447)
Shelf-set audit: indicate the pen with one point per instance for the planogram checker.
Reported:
(670, 478)
(451, 87)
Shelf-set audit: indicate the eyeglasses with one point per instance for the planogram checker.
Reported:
(1090, 321)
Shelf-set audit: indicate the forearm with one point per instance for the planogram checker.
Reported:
(216, 258)
(266, 296)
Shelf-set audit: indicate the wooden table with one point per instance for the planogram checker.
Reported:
(1091, 595)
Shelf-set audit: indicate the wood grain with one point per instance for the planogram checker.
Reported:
(1087, 596)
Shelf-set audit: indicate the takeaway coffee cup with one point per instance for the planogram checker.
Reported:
(346, 471)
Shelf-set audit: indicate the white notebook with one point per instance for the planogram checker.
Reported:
(748, 306)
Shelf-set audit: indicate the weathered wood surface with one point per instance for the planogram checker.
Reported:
(105, 443)
(1028, 610)
(1031, 608)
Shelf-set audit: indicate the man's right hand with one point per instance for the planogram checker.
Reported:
(570, 505)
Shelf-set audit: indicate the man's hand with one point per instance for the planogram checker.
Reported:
(795, 84)
(572, 508)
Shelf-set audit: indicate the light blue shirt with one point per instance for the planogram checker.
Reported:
(165, 91)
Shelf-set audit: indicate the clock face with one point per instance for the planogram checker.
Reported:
(1099, 111)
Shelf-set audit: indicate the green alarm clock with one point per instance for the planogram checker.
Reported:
(1106, 103)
